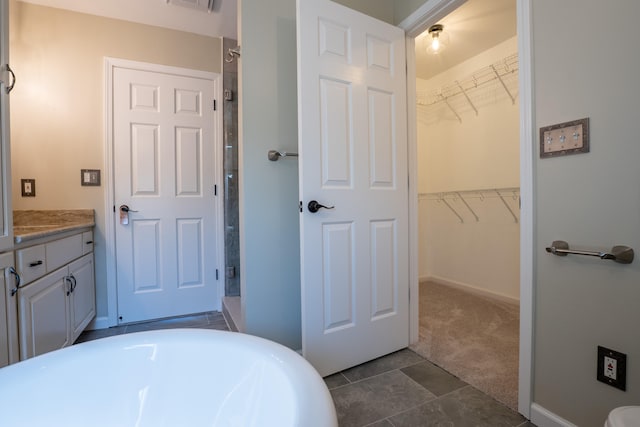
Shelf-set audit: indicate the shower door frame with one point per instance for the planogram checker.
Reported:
(428, 14)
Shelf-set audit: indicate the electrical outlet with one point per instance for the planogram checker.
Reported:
(612, 368)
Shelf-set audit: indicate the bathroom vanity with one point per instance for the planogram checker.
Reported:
(49, 285)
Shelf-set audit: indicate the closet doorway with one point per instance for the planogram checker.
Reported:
(468, 207)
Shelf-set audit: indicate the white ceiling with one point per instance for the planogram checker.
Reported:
(221, 22)
(473, 28)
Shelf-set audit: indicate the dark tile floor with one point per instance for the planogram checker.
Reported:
(210, 320)
(403, 389)
(397, 390)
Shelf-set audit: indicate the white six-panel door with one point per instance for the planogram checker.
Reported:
(164, 171)
(353, 155)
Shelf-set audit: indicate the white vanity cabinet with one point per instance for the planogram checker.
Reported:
(56, 300)
(8, 312)
(83, 297)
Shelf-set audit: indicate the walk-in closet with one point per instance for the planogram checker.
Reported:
(468, 183)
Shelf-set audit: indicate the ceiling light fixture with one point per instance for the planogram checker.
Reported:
(438, 39)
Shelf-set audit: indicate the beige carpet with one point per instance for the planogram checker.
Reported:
(473, 337)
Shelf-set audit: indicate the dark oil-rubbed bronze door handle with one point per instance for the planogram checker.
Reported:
(314, 206)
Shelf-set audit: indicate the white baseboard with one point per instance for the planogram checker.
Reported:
(470, 288)
(544, 418)
(99, 323)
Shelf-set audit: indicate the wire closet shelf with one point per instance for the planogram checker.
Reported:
(482, 87)
(447, 198)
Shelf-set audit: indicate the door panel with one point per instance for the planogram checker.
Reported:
(353, 155)
(164, 169)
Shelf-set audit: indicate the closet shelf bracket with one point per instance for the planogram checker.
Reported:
(513, 100)
(464, 92)
(451, 108)
(468, 207)
(506, 205)
(443, 200)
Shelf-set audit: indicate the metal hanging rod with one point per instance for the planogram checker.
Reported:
(619, 254)
(274, 155)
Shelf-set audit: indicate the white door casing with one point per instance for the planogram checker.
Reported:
(353, 154)
(165, 168)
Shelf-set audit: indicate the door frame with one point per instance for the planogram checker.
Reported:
(430, 13)
(110, 64)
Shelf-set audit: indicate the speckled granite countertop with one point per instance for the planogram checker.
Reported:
(33, 224)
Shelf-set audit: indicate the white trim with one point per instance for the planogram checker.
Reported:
(472, 289)
(527, 220)
(102, 322)
(543, 417)
(109, 229)
(429, 13)
(412, 153)
(111, 319)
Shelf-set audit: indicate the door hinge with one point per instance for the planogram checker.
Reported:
(300, 205)
(217, 274)
(215, 190)
(215, 105)
(114, 208)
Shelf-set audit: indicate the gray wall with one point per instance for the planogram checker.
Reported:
(590, 200)
(404, 8)
(383, 10)
(269, 235)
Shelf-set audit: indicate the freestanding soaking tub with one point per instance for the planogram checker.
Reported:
(176, 377)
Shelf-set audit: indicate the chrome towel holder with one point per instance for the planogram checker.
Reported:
(274, 155)
(620, 254)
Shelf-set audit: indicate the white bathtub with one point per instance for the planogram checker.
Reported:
(177, 377)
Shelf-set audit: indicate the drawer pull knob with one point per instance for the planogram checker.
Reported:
(35, 263)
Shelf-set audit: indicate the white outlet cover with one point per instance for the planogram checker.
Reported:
(610, 367)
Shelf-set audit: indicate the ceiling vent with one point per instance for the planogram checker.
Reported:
(203, 5)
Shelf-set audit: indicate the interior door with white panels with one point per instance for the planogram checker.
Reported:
(353, 159)
(164, 131)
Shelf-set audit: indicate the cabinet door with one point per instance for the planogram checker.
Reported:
(43, 307)
(8, 312)
(6, 218)
(83, 296)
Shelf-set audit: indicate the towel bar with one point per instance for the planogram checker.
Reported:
(274, 155)
(620, 254)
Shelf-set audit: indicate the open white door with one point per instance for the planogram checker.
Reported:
(353, 155)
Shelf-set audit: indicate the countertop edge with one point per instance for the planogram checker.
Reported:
(50, 232)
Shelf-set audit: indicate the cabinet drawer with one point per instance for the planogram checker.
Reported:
(62, 251)
(31, 263)
(87, 242)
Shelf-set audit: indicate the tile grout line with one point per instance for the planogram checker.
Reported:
(381, 373)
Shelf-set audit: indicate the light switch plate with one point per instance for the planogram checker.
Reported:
(565, 138)
(90, 177)
(28, 187)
